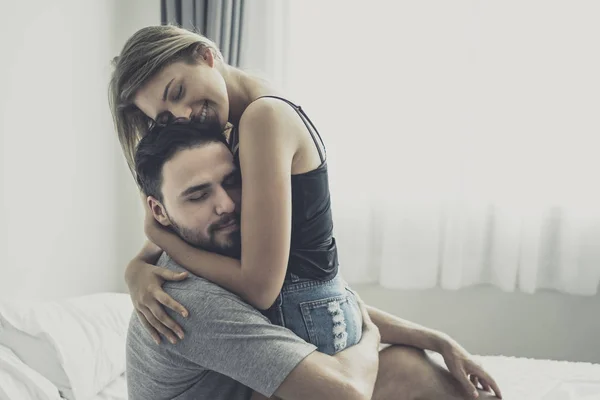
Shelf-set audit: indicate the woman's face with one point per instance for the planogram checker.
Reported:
(183, 90)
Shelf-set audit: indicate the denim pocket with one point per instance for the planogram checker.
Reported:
(333, 323)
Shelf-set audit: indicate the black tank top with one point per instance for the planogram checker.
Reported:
(313, 252)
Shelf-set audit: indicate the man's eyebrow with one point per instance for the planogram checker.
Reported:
(193, 189)
(231, 174)
(167, 90)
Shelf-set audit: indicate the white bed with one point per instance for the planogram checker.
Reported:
(527, 379)
(519, 379)
(74, 348)
(545, 380)
(115, 391)
(77, 347)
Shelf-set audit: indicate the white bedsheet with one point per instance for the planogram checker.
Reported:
(527, 379)
(519, 379)
(117, 390)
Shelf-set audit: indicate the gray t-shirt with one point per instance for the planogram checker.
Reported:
(229, 350)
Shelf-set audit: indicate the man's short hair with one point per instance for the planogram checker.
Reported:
(161, 143)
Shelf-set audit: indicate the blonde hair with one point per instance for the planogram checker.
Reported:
(144, 55)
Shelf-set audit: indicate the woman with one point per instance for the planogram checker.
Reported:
(289, 255)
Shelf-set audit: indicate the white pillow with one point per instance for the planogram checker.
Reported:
(78, 344)
(18, 381)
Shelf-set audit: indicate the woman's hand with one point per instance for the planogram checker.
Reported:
(469, 373)
(145, 288)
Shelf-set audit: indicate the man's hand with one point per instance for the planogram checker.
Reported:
(368, 325)
(469, 373)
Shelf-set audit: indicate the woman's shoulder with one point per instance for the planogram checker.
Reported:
(268, 107)
(271, 115)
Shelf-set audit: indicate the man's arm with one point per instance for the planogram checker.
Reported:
(460, 363)
(350, 374)
(228, 336)
(395, 330)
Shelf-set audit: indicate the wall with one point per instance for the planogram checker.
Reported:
(62, 222)
(265, 40)
(132, 15)
(485, 320)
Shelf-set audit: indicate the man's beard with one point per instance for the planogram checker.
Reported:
(230, 246)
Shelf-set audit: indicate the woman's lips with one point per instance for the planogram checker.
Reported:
(203, 114)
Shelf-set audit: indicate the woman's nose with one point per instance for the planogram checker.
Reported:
(182, 111)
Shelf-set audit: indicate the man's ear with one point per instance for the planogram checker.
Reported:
(158, 211)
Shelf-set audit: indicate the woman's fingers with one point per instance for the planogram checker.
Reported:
(153, 332)
(169, 275)
(163, 317)
(169, 302)
(166, 325)
(159, 326)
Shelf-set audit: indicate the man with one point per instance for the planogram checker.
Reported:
(231, 351)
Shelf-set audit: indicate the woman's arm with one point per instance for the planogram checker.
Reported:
(268, 143)
(149, 254)
(144, 280)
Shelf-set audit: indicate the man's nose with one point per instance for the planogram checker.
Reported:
(224, 204)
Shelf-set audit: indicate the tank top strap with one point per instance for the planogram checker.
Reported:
(234, 142)
(314, 133)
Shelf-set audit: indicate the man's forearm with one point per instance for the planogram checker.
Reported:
(396, 330)
(361, 362)
(349, 374)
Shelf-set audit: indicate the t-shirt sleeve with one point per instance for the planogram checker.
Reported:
(228, 336)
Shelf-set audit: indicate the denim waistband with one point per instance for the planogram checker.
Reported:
(294, 283)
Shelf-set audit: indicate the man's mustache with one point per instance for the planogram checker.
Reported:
(226, 220)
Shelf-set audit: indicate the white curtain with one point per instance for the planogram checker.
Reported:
(266, 39)
(462, 138)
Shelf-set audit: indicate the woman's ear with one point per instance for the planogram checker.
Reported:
(158, 211)
(205, 55)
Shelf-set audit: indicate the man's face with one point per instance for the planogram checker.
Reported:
(201, 198)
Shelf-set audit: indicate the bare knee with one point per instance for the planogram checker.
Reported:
(400, 368)
(404, 361)
(407, 373)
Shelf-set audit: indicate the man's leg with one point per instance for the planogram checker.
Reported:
(406, 373)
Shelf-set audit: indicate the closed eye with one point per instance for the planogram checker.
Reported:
(202, 197)
(179, 93)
